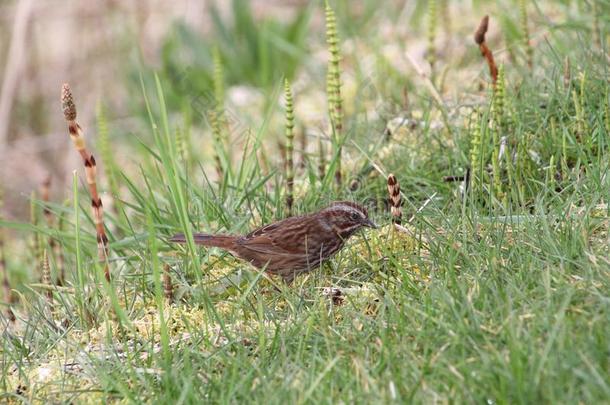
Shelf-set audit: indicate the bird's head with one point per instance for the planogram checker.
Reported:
(347, 217)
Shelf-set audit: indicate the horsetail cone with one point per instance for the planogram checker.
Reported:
(67, 103)
(395, 199)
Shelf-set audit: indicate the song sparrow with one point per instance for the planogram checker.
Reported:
(293, 245)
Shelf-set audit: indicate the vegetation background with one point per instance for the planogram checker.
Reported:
(487, 282)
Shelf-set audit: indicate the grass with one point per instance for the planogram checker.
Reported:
(498, 293)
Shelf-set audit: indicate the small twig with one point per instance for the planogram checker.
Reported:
(49, 287)
(452, 179)
(402, 229)
(420, 209)
(435, 94)
(466, 182)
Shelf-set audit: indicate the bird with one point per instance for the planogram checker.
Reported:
(295, 244)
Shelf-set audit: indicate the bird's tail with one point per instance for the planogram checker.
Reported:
(221, 241)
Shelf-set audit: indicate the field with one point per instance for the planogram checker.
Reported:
(488, 282)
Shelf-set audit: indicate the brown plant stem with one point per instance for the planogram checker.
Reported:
(76, 134)
(479, 39)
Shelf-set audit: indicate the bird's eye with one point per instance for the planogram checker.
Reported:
(354, 216)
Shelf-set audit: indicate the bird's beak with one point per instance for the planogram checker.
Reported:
(370, 224)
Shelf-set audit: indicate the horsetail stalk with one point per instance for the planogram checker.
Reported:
(46, 279)
(432, 22)
(529, 50)
(217, 117)
(289, 147)
(321, 159)
(479, 39)
(497, 128)
(181, 145)
(578, 99)
(76, 134)
(333, 90)
(54, 246)
(498, 109)
(217, 136)
(476, 165)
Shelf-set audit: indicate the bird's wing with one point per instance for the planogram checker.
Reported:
(293, 244)
(280, 238)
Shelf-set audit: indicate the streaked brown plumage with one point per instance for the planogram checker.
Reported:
(293, 245)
